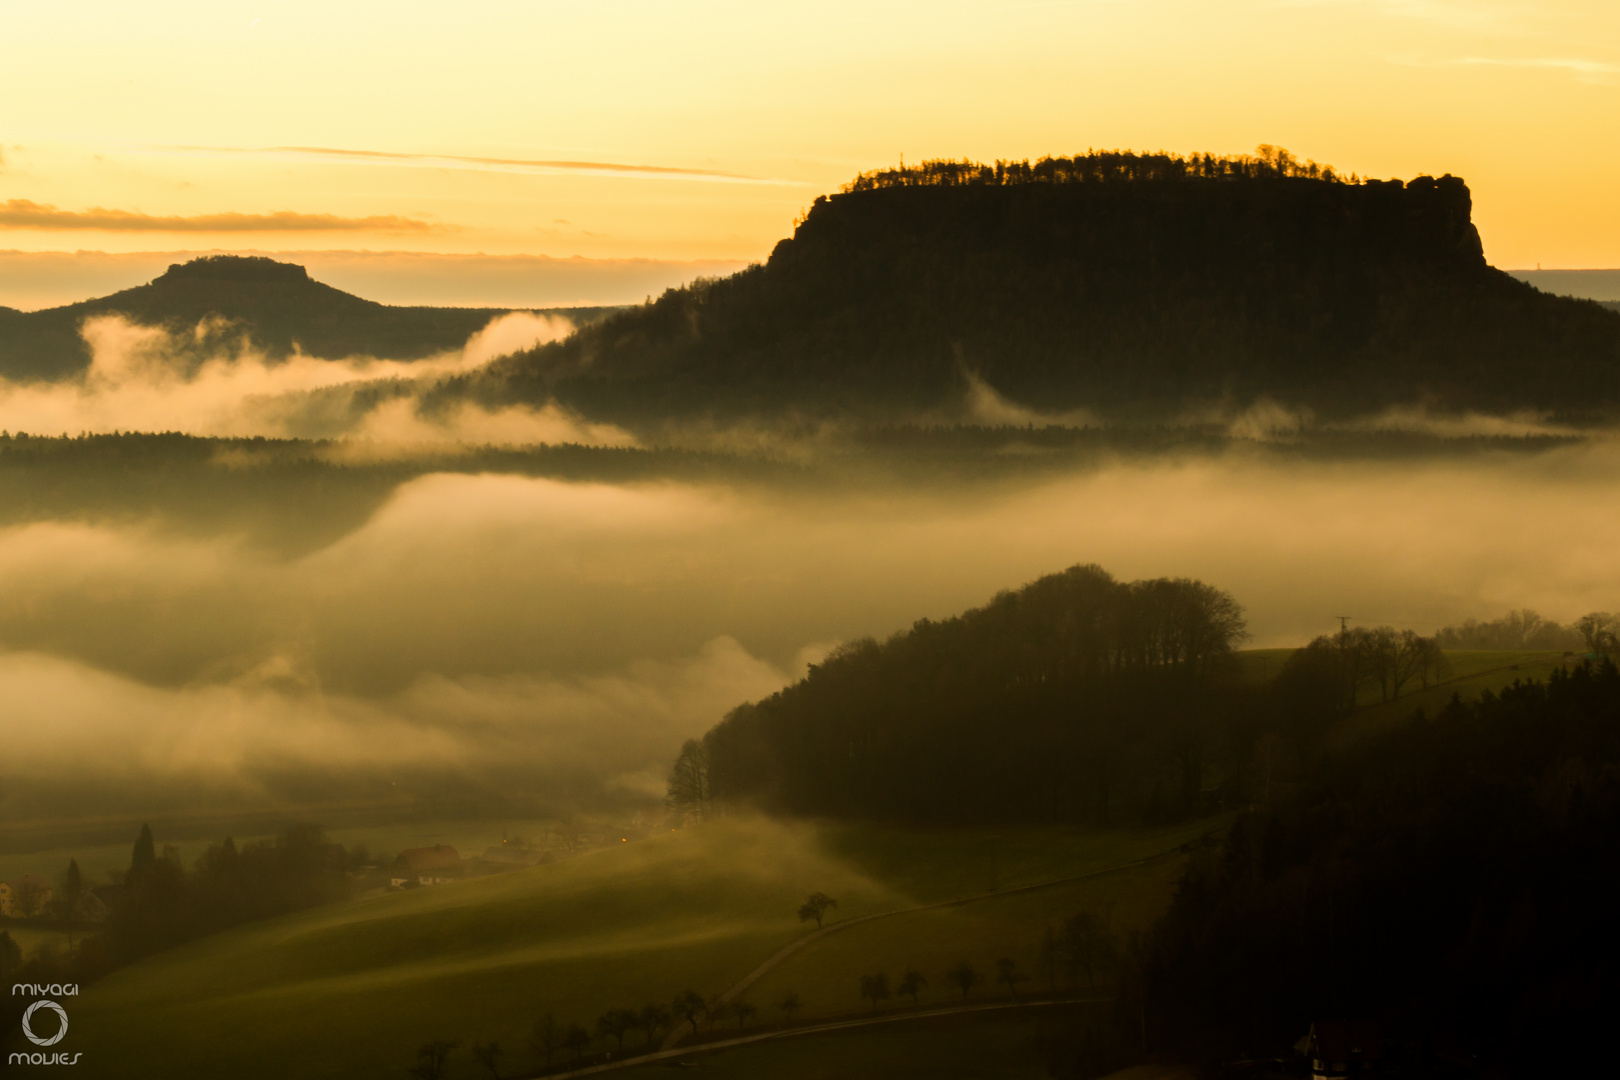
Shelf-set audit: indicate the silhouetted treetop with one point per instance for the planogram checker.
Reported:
(1103, 166)
(257, 268)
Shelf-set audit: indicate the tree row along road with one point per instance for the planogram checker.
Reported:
(674, 1038)
(816, 1029)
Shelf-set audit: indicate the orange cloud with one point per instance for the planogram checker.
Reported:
(23, 214)
(455, 161)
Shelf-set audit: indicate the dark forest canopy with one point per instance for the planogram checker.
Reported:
(1133, 300)
(1075, 697)
(1451, 882)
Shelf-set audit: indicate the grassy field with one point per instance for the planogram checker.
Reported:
(351, 990)
(1472, 673)
(1004, 923)
(825, 975)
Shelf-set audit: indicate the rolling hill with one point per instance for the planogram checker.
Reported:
(277, 305)
(352, 989)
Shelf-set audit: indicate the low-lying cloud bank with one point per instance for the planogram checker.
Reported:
(144, 378)
(510, 634)
(83, 742)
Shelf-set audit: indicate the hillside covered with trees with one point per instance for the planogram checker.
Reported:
(1447, 886)
(1077, 697)
(1135, 286)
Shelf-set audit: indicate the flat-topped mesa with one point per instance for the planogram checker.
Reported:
(235, 268)
(1138, 288)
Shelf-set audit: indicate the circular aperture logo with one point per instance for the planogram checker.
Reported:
(29, 1015)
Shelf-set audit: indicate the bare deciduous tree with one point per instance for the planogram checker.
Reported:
(545, 1038)
(431, 1058)
(875, 988)
(1009, 975)
(789, 1005)
(911, 984)
(689, 1005)
(963, 977)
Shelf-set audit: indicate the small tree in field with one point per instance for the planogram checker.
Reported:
(875, 988)
(489, 1056)
(789, 1005)
(615, 1024)
(652, 1018)
(1051, 952)
(431, 1058)
(577, 1039)
(911, 984)
(1088, 945)
(816, 908)
(963, 977)
(744, 1013)
(545, 1038)
(689, 1006)
(1008, 974)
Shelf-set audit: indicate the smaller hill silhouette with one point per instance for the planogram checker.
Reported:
(276, 304)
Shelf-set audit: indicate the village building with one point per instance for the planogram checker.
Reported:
(436, 865)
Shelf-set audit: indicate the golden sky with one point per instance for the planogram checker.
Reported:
(699, 130)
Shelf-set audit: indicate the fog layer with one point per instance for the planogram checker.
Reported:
(512, 634)
(144, 378)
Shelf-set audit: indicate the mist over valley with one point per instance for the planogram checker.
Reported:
(1061, 585)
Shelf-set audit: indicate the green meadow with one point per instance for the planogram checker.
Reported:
(353, 989)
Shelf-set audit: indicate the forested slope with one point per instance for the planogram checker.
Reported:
(1135, 286)
(1450, 883)
(1077, 697)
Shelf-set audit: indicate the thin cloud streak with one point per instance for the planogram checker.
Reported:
(1586, 68)
(25, 214)
(478, 164)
